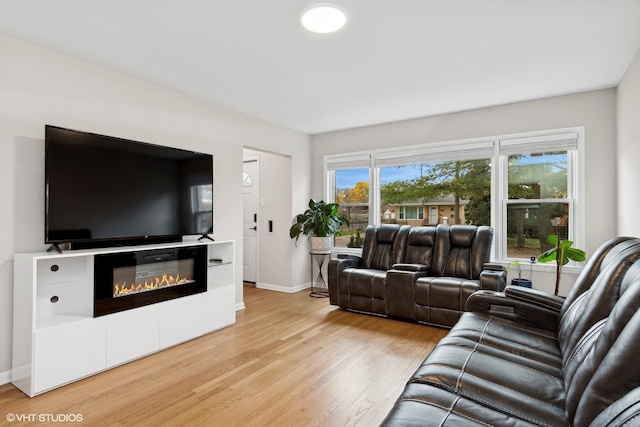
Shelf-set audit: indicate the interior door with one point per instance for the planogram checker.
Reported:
(250, 192)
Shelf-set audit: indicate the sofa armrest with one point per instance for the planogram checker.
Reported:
(399, 289)
(535, 296)
(334, 268)
(530, 312)
(417, 268)
(347, 261)
(493, 277)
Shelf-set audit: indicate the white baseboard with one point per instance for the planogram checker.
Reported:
(5, 377)
(240, 306)
(285, 289)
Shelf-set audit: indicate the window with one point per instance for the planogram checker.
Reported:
(349, 183)
(523, 185)
(411, 212)
(538, 196)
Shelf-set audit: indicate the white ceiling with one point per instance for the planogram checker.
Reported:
(394, 60)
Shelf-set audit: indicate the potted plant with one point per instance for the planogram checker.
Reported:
(562, 252)
(320, 222)
(526, 283)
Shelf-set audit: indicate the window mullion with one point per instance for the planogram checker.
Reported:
(375, 208)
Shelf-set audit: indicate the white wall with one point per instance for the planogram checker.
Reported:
(39, 86)
(595, 110)
(629, 150)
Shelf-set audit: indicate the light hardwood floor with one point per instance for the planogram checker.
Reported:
(290, 360)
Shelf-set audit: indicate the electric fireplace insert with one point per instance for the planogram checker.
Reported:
(128, 280)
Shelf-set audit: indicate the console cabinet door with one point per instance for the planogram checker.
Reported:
(132, 334)
(219, 308)
(180, 320)
(69, 352)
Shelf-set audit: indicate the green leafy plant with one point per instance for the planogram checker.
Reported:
(320, 220)
(517, 265)
(562, 252)
(356, 241)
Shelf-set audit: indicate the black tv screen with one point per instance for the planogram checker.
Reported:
(102, 190)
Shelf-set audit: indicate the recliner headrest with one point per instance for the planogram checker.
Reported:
(387, 232)
(462, 235)
(422, 236)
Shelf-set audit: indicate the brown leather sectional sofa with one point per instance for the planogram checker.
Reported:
(422, 274)
(526, 358)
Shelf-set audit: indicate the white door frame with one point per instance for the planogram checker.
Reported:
(255, 159)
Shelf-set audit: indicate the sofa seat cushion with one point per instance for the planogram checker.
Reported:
(441, 300)
(363, 289)
(425, 405)
(486, 371)
(507, 339)
(501, 384)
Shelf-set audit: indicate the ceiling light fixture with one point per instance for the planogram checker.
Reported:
(323, 19)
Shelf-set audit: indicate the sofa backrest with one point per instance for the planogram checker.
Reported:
(605, 254)
(421, 242)
(600, 281)
(603, 366)
(461, 250)
(598, 367)
(384, 245)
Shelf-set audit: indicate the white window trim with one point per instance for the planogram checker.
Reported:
(450, 150)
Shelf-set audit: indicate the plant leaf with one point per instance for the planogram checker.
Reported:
(566, 243)
(575, 254)
(548, 256)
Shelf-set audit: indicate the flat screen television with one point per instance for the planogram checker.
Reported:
(106, 191)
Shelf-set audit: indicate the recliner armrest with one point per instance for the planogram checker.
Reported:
(334, 268)
(535, 296)
(493, 266)
(493, 277)
(399, 289)
(532, 312)
(411, 267)
(347, 261)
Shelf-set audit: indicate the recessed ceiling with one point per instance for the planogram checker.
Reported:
(392, 61)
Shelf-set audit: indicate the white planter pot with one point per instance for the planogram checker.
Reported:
(320, 244)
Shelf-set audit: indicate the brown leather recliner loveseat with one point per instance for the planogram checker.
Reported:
(422, 274)
(526, 358)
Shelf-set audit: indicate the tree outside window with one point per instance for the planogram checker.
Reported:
(455, 192)
(352, 193)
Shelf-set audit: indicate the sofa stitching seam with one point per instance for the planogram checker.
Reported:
(424, 401)
(444, 386)
(510, 361)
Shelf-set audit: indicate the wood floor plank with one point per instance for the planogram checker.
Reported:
(290, 360)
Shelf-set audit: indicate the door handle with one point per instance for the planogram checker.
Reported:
(253, 228)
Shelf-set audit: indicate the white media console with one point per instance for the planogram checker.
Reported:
(57, 340)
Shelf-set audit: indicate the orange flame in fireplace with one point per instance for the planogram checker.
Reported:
(121, 289)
